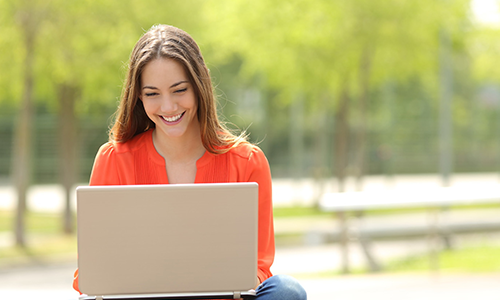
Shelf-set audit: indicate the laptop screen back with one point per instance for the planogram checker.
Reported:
(167, 238)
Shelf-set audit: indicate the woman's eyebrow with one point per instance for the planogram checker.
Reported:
(177, 83)
(173, 85)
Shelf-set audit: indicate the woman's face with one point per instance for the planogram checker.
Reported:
(169, 98)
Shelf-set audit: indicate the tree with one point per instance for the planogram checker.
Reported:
(69, 53)
(81, 64)
(28, 15)
(344, 49)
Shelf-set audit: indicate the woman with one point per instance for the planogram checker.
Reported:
(167, 131)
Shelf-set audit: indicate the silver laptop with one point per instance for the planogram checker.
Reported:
(181, 241)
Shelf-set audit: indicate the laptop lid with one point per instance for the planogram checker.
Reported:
(160, 239)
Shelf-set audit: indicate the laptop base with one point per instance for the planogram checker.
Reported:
(175, 296)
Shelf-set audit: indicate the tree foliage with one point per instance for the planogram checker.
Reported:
(317, 78)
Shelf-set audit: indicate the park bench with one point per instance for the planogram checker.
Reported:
(435, 200)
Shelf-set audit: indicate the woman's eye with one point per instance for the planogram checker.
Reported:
(151, 94)
(181, 90)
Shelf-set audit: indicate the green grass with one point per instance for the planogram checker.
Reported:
(306, 211)
(6, 220)
(473, 259)
(298, 211)
(36, 222)
(478, 258)
(42, 248)
(425, 210)
(44, 238)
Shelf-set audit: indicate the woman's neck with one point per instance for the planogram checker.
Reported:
(184, 149)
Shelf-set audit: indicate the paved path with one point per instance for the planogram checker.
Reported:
(37, 282)
(54, 282)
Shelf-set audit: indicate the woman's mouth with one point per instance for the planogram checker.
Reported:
(173, 119)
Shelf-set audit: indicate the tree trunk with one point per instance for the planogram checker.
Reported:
(341, 138)
(321, 142)
(22, 145)
(386, 150)
(22, 160)
(67, 149)
(360, 148)
(445, 114)
(341, 162)
(297, 137)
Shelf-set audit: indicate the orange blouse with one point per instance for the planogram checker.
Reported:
(137, 162)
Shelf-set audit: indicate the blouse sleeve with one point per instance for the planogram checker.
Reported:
(105, 169)
(103, 173)
(258, 171)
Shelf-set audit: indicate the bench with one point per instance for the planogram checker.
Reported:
(435, 200)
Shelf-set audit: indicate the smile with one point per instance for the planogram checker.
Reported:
(173, 118)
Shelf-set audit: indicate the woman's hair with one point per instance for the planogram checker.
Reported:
(163, 41)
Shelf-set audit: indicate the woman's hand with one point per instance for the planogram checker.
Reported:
(258, 283)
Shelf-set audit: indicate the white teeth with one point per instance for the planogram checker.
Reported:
(173, 118)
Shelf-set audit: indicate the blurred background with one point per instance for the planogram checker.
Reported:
(341, 96)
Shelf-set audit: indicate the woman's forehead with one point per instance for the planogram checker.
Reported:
(163, 71)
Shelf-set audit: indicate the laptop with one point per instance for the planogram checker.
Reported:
(174, 241)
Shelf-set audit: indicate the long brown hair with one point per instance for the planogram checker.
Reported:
(163, 41)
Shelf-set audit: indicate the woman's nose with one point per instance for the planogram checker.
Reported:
(168, 105)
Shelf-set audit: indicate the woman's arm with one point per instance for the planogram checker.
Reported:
(258, 171)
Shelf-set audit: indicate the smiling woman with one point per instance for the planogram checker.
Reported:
(167, 131)
(167, 43)
(170, 103)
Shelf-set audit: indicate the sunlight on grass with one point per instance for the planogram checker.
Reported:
(298, 211)
(36, 222)
(44, 237)
(308, 211)
(481, 258)
(6, 220)
(473, 259)
(42, 248)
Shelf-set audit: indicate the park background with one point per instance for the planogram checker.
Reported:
(332, 91)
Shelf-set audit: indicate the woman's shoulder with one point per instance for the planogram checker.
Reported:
(250, 160)
(246, 151)
(116, 148)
